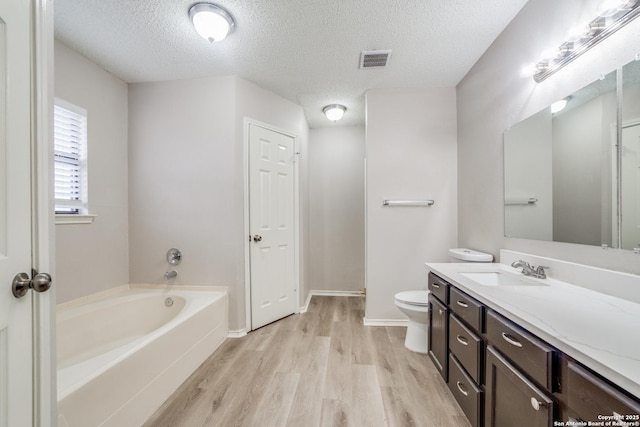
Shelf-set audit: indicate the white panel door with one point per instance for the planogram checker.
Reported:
(16, 394)
(630, 187)
(271, 224)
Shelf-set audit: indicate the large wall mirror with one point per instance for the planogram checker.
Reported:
(565, 179)
(630, 158)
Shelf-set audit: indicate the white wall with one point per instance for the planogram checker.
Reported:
(94, 257)
(336, 193)
(411, 154)
(494, 96)
(187, 178)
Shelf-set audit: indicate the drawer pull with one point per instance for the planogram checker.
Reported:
(462, 304)
(435, 285)
(441, 311)
(511, 340)
(461, 388)
(462, 340)
(535, 404)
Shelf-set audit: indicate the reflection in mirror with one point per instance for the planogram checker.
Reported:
(630, 159)
(558, 177)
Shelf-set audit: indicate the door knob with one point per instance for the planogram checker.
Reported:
(257, 238)
(41, 282)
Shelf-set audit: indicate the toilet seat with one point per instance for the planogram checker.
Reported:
(418, 298)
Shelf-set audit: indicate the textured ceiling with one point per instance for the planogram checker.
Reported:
(304, 50)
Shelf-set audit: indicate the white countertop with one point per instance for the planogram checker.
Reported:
(601, 331)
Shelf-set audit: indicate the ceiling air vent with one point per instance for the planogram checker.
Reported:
(374, 58)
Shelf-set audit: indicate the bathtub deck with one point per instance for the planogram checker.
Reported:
(320, 368)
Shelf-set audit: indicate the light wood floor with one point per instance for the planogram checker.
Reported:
(320, 368)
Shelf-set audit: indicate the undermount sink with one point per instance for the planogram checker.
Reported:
(501, 279)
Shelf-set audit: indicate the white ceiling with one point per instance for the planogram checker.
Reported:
(304, 50)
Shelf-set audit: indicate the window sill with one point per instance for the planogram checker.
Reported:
(62, 219)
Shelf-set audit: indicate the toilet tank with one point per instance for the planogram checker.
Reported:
(468, 255)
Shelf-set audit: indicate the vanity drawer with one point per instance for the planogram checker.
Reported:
(439, 288)
(532, 355)
(467, 347)
(466, 392)
(467, 309)
(589, 396)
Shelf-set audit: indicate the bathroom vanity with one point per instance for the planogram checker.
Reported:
(515, 350)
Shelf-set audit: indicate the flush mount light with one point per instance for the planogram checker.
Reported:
(614, 14)
(211, 21)
(334, 112)
(558, 106)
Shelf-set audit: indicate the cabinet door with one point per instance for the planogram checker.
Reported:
(439, 335)
(591, 397)
(511, 399)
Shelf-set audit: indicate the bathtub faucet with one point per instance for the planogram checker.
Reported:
(170, 274)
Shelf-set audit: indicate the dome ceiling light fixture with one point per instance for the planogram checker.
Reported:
(334, 112)
(211, 21)
(560, 105)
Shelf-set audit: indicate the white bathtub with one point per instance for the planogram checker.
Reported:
(123, 352)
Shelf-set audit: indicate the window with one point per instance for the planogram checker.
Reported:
(70, 157)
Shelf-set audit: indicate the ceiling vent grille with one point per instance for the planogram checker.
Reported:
(374, 58)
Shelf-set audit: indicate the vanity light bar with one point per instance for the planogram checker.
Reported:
(591, 34)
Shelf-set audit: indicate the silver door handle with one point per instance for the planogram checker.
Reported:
(511, 340)
(41, 282)
(257, 238)
(461, 388)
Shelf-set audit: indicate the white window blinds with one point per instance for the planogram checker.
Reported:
(70, 136)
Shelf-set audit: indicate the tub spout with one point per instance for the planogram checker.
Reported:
(170, 274)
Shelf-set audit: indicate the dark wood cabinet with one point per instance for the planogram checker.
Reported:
(439, 335)
(511, 399)
(590, 397)
(502, 375)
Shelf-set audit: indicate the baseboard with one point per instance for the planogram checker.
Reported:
(336, 293)
(304, 308)
(237, 334)
(385, 322)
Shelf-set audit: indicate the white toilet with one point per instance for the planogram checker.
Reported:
(415, 305)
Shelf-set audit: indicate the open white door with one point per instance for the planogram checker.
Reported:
(630, 187)
(16, 377)
(271, 224)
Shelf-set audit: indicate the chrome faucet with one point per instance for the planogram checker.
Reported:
(528, 270)
(170, 274)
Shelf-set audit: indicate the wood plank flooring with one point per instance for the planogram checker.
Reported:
(320, 368)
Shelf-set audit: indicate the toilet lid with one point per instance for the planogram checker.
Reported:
(413, 297)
